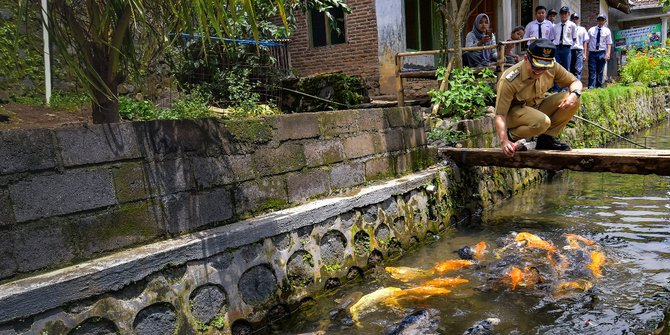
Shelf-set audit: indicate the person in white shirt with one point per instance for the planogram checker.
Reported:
(598, 51)
(564, 33)
(578, 57)
(539, 28)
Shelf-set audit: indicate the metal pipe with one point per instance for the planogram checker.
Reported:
(47, 55)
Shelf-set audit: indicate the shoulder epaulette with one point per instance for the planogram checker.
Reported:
(512, 75)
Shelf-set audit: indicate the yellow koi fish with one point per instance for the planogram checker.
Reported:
(368, 302)
(451, 265)
(597, 261)
(577, 285)
(574, 240)
(405, 274)
(445, 282)
(534, 241)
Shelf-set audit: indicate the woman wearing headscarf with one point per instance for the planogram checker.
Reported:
(481, 35)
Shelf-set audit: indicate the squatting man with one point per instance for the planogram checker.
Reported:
(522, 111)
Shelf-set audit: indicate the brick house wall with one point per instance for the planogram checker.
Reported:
(358, 56)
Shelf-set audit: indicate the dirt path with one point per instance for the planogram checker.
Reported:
(15, 116)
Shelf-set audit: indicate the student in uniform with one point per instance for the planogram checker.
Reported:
(578, 57)
(551, 15)
(564, 33)
(598, 51)
(540, 27)
(522, 111)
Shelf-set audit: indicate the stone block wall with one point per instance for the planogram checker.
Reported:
(70, 194)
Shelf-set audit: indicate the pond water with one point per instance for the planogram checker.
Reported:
(628, 216)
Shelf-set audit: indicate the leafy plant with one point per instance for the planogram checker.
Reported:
(192, 106)
(468, 93)
(647, 66)
(446, 136)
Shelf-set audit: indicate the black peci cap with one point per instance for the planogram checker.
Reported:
(541, 53)
(564, 9)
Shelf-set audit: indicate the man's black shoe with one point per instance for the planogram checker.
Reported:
(546, 142)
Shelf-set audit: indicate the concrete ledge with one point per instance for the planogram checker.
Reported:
(27, 297)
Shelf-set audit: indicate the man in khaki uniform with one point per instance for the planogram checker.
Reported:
(522, 111)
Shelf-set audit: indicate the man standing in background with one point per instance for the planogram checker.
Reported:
(540, 27)
(578, 57)
(564, 34)
(599, 48)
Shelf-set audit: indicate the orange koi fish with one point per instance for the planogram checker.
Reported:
(424, 291)
(405, 274)
(534, 241)
(597, 261)
(451, 265)
(480, 250)
(445, 282)
(516, 275)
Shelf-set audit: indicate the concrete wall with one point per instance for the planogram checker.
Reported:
(71, 194)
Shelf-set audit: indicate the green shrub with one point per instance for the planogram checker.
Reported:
(468, 95)
(191, 106)
(647, 66)
(69, 102)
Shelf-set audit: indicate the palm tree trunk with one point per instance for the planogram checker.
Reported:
(105, 108)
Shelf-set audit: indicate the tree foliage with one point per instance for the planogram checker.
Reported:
(102, 41)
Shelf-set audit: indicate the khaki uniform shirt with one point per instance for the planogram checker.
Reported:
(517, 88)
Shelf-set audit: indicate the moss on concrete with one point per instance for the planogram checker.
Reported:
(129, 182)
(250, 130)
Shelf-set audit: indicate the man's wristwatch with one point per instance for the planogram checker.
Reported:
(577, 92)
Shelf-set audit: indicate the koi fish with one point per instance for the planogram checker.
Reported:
(577, 285)
(405, 274)
(476, 252)
(367, 302)
(516, 275)
(574, 240)
(451, 265)
(445, 282)
(526, 277)
(597, 261)
(480, 249)
(424, 291)
(564, 289)
(534, 241)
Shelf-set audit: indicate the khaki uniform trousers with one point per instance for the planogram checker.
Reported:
(527, 122)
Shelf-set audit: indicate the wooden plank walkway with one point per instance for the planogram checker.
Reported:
(630, 161)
